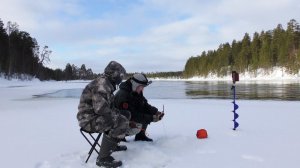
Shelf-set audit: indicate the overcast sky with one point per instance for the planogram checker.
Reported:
(143, 35)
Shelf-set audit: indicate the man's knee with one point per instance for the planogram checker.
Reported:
(121, 127)
(126, 113)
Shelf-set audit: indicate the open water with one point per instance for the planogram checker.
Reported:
(208, 90)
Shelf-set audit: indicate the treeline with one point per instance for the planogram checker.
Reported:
(265, 50)
(20, 55)
(176, 74)
(72, 72)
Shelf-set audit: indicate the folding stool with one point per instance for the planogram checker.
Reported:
(94, 142)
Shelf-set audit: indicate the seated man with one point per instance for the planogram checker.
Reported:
(96, 113)
(130, 97)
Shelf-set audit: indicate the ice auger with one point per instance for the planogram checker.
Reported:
(235, 78)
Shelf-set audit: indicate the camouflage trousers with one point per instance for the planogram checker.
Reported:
(120, 128)
(115, 126)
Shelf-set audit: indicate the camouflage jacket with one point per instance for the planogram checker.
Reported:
(96, 111)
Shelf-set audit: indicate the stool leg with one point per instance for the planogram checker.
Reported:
(93, 147)
(95, 140)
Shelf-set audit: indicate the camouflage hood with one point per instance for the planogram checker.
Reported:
(115, 72)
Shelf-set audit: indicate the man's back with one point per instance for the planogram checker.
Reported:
(96, 99)
(123, 95)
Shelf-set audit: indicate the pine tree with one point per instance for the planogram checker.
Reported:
(236, 49)
(245, 54)
(292, 45)
(82, 72)
(279, 46)
(3, 48)
(255, 49)
(68, 72)
(265, 52)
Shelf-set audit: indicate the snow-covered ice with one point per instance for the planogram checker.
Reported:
(39, 132)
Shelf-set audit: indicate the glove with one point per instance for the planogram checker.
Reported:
(132, 124)
(155, 118)
(161, 116)
(158, 116)
(134, 129)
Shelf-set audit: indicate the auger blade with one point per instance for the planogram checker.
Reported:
(235, 116)
(236, 106)
(236, 124)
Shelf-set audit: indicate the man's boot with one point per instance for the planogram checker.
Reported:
(108, 145)
(120, 148)
(124, 140)
(141, 136)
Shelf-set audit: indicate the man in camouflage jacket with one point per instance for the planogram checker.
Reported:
(97, 113)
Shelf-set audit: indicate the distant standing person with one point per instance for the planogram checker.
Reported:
(130, 97)
(97, 113)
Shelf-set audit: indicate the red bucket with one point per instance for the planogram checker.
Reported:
(201, 134)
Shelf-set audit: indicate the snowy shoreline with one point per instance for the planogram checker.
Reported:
(276, 75)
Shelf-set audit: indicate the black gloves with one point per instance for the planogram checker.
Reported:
(158, 116)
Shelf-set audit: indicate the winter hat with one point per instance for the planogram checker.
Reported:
(139, 79)
(115, 72)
